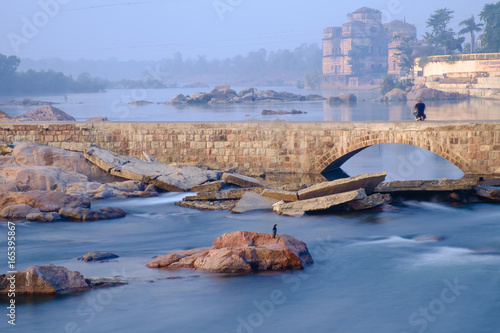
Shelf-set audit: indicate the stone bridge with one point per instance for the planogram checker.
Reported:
(270, 147)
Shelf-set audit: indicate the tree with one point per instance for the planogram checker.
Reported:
(470, 26)
(442, 38)
(405, 52)
(490, 15)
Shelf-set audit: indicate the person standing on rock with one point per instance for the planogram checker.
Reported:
(419, 110)
(274, 231)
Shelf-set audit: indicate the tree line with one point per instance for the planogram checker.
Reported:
(442, 40)
(13, 82)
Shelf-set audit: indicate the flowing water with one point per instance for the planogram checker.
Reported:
(369, 275)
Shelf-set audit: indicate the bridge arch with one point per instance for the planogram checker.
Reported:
(334, 159)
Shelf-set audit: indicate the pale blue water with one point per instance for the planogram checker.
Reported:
(114, 105)
(368, 276)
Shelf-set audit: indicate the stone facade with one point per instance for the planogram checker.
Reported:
(271, 147)
(364, 29)
(470, 74)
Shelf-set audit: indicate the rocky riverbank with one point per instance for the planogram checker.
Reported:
(225, 95)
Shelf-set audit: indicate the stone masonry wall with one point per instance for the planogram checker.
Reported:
(272, 147)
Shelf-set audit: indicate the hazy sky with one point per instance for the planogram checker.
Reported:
(153, 29)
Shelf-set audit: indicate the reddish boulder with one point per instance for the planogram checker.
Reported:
(45, 113)
(241, 252)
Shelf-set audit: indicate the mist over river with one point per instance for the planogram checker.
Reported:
(369, 274)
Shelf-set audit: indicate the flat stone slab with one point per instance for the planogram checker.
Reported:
(225, 195)
(208, 204)
(169, 178)
(321, 203)
(443, 185)
(240, 180)
(287, 196)
(209, 187)
(371, 201)
(366, 181)
(253, 201)
(488, 192)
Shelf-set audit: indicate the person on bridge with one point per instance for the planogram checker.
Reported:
(419, 110)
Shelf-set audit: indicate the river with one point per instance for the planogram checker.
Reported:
(369, 275)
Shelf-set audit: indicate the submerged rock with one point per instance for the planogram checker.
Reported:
(241, 252)
(97, 256)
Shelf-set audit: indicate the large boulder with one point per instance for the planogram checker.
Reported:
(44, 200)
(44, 280)
(97, 256)
(241, 252)
(45, 113)
(44, 178)
(4, 117)
(429, 94)
(348, 98)
(395, 95)
(32, 154)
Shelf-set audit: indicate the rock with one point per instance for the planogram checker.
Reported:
(199, 98)
(223, 92)
(179, 99)
(488, 192)
(395, 95)
(104, 282)
(43, 217)
(5, 188)
(18, 211)
(348, 98)
(169, 178)
(443, 185)
(32, 154)
(246, 91)
(140, 103)
(208, 204)
(241, 252)
(253, 201)
(86, 214)
(240, 180)
(272, 112)
(333, 101)
(96, 119)
(314, 97)
(4, 149)
(247, 98)
(371, 201)
(45, 113)
(428, 238)
(171, 258)
(428, 94)
(45, 280)
(97, 256)
(208, 187)
(44, 178)
(126, 189)
(286, 196)
(320, 203)
(148, 158)
(38, 201)
(224, 195)
(366, 181)
(4, 117)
